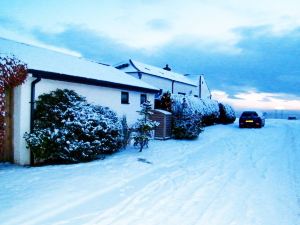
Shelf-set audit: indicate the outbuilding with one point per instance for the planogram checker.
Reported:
(167, 80)
(48, 70)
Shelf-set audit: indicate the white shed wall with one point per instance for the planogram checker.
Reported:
(103, 96)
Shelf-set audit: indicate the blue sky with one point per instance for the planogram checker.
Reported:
(248, 51)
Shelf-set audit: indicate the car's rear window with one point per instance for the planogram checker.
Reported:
(248, 114)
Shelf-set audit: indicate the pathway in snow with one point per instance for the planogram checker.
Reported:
(228, 176)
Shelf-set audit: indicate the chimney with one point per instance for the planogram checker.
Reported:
(167, 68)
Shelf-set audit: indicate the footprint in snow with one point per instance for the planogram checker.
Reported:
(144, 160)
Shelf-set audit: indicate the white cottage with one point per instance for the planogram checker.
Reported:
(166, 80)
(48, 70)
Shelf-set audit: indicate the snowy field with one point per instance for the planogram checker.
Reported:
(227, 176)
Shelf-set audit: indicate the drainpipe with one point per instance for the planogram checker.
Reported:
(32, 98)
(173, 86)
(200, 86)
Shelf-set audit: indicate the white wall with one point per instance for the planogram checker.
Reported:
(185, 88)
(205, 92)
(166, 84)
(21, 122)
(103, 96)
(158, 82)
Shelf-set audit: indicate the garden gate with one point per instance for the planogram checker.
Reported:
(6, 152)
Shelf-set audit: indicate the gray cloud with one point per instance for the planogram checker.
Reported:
(267, 63)
(88, 43)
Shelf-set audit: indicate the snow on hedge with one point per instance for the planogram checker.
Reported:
(227, 114)
(204, 107)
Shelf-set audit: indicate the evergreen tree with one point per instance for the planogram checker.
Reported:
(144, 126)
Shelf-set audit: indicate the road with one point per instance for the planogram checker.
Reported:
(227, 176)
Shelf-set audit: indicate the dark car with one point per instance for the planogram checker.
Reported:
(251, 119)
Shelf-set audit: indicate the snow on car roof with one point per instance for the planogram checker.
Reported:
(42, 59)
(156, 71)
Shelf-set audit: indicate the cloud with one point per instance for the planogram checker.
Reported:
(255, 100)
(89, 44)
(261, 61)
(265, 62)
(159, 24)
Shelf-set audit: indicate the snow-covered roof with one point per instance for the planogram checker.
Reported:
(163, 111)
(47, 60)
(156, 71)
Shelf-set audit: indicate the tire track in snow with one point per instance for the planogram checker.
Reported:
(209, 191)
(198, 187)
(159, 204)
(52, 210)
(293, 163)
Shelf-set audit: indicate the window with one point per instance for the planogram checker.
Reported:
(124, 97)
(143, 98)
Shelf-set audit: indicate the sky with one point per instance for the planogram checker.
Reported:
(248, 51)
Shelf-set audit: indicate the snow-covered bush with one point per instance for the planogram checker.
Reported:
(68, 129)
(186, 124)
(211, 112)
(206, 109)
(143, 127)
(227, 114)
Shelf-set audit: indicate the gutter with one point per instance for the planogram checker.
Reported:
(32, 98)
(88, 81)
(200, 87)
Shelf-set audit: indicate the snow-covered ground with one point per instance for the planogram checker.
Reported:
(227, 176)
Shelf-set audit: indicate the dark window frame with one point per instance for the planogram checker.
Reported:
(143, 98)
(124, 97)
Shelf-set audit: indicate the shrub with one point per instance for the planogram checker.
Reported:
(206, 109)
(185, 124)
(143, 127)
(67, 129)
(166, 102)
(227, 114)
(211, 112)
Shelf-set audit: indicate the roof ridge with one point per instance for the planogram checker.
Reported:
(161, 72)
